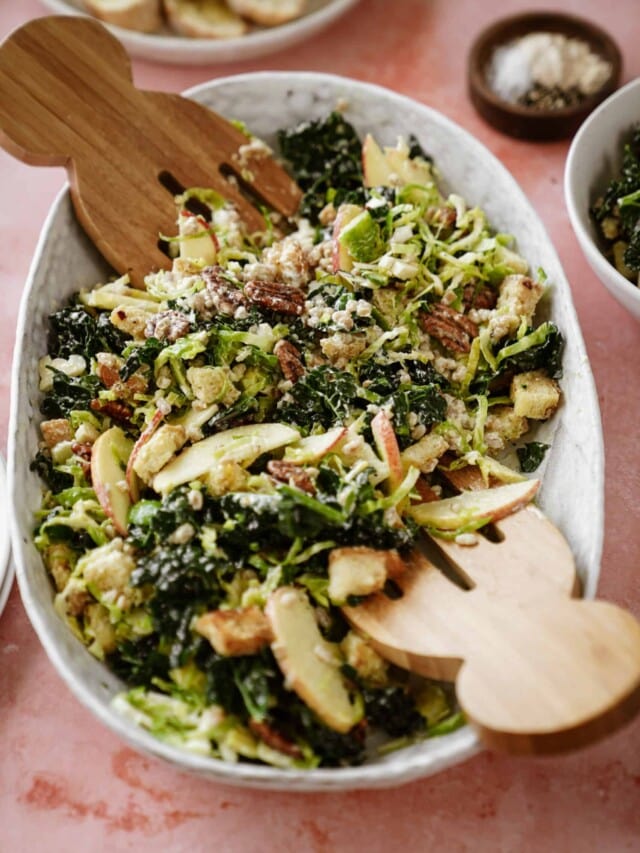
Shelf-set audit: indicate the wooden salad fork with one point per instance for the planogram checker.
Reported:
(535, 670)
(67, 99)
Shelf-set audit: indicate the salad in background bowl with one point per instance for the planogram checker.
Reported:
(366, 254)
(602, 172)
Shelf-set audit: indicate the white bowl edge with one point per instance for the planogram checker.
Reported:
(309, 90)
(578, 192)
(184, 50)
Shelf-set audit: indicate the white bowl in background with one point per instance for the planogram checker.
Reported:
(593, 160)
(65, 261)
(167, 46)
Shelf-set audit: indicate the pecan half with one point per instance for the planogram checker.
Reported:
(480, 297)
(167, 326)
(289, 360)
(274, 739)
(275, 297)
(108, 371)
(117, 411)
(289, 472)
(451, 328)
(219, 296)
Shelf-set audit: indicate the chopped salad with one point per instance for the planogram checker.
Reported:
(258, 437)
(617, 212)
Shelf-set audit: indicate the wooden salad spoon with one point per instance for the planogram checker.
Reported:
(535, 670)
(67, 99)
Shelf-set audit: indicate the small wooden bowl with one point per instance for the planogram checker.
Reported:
(531, 122)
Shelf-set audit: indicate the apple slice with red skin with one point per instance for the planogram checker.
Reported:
(109, 457)
(133, 481)
(342, 260)
(477, 506)
(200, 246)
(241, 444)
(312, 448)
(387, 446)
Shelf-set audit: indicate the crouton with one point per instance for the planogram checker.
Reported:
(142, 15)
(235, 632)
(154, 454)
(360, 571)
(534, 395)
(503, 426)
(55, 431)
(371, 668)
(519, 296)
(425, 454)
(132, 321)
(204, 19)
(268, 13)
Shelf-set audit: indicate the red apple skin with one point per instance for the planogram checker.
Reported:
(104, 498)
(337, 435)
(206, 226)
(387, 445)
(341, 258)
(104, 486)
(130, 475)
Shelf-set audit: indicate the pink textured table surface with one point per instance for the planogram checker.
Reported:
(66, 782)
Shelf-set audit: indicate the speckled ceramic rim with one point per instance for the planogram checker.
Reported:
(6, 568)
(624, 291)
(438, 753)
(182, 50)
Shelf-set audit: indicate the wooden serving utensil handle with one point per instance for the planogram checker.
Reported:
(67, 98)
(47, 91)
(553, 676)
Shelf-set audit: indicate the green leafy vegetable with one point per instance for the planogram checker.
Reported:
(69, 393)
(531, 455)
(322, 154)
(75, 331)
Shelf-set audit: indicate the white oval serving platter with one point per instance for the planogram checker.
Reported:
(65, 261)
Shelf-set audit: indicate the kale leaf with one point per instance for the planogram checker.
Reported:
(139, 661)
(74, 331)
(424, 402)
(68, 394)
(622, 200)
(146, 353)
(185, 581)
(547, 355)
(544, 352)
(152, 521)
(531, 455)
(324, 395)
(56, 480)
(322, 154)
(393, 710)
(416, 149)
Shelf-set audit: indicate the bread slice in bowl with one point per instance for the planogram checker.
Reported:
(204, 19)
(142, 15)
(268, 13)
